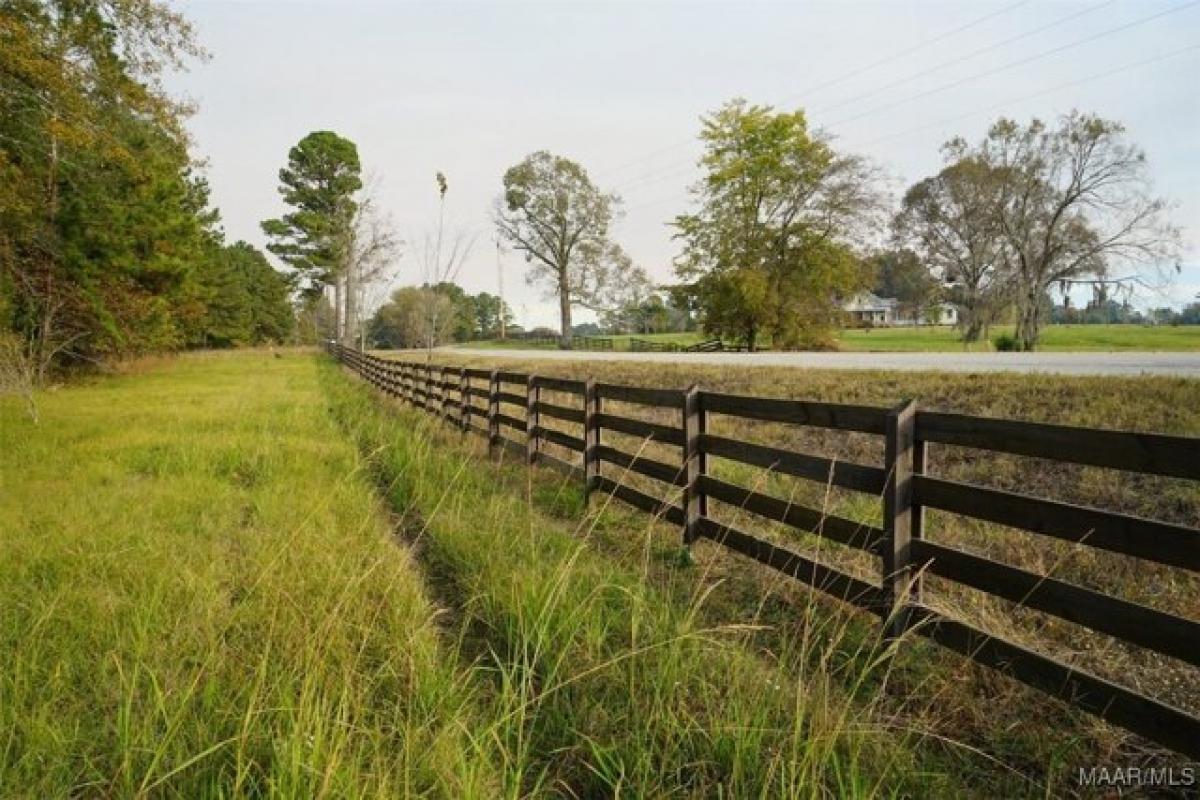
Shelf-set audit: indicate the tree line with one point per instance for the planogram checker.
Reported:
(109, 246)
(786, 228)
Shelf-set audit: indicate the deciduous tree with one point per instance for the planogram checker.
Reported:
(771, 248)
(949, 220)
(553, 213)
(101, 217)
(901, 274)
(1073, 200)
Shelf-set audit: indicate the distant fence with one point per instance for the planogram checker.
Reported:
(638, 345)
(906, 491)
(577, 342)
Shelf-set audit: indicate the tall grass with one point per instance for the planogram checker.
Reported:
(201, 597)
(617, 688)
(975, 723)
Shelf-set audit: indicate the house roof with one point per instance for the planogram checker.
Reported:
(867, 301)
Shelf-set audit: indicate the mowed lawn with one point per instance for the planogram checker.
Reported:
(1054, 338)
(202, 597)
(943, 338)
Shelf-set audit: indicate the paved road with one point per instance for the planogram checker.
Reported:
(1185, 364)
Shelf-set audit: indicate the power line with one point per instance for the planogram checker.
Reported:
(1021, 61)
(841, 78)
(680, 167)
(966, 57)
(915, 48)
(997, 106)
(1052, 89)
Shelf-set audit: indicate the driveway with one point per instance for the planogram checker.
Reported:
(1184, 364)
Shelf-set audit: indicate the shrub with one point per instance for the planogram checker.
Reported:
(1007, 343)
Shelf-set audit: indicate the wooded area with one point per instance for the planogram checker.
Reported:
(108, 244)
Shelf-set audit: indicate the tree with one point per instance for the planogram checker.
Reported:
(492, 315)
(1072, 200)
(442, 257)
(900, 274)
(404, 321)
(319, 182)
(101, 218)
(272, 317)
(552, 212)
(772, 247)
(949, 220)
(240, 299)
(373, 248)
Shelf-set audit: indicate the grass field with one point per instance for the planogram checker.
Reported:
(1103, 338)
(1054, 338)
(210, 591)
(236, 575)
(202, 598)
(628, 691)
(995, 715)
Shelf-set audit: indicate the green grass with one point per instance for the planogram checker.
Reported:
(202, 598)
(1054, 338)
(620, 341)
(623, 691)
(235, 575)
(946, 339)
(995, 715)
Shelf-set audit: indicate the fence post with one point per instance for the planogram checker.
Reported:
(493, 410)
(919, 460)
(591, 439)
(430, 396)
(532, 395)
(444, 411)
(900, 437)
(694, 464)
(464, 399)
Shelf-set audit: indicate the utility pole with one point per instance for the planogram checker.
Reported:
(500, 282)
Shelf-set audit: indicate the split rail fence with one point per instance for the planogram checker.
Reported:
(904, 555)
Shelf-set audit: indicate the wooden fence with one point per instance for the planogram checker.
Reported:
(904, 555)
(578, 342)
(637, 345)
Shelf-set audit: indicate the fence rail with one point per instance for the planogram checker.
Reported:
(578, 342)
(905, 557)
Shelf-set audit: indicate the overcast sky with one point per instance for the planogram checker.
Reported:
(471, 88)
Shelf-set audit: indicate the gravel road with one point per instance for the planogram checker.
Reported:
(1183, 364)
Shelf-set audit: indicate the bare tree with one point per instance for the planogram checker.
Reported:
(1072, 201)
(371, 254)
(442, 256)
(949, 220)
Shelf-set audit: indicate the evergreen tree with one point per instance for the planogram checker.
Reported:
(315, 238)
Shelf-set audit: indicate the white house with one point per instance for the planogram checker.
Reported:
(870, 309)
